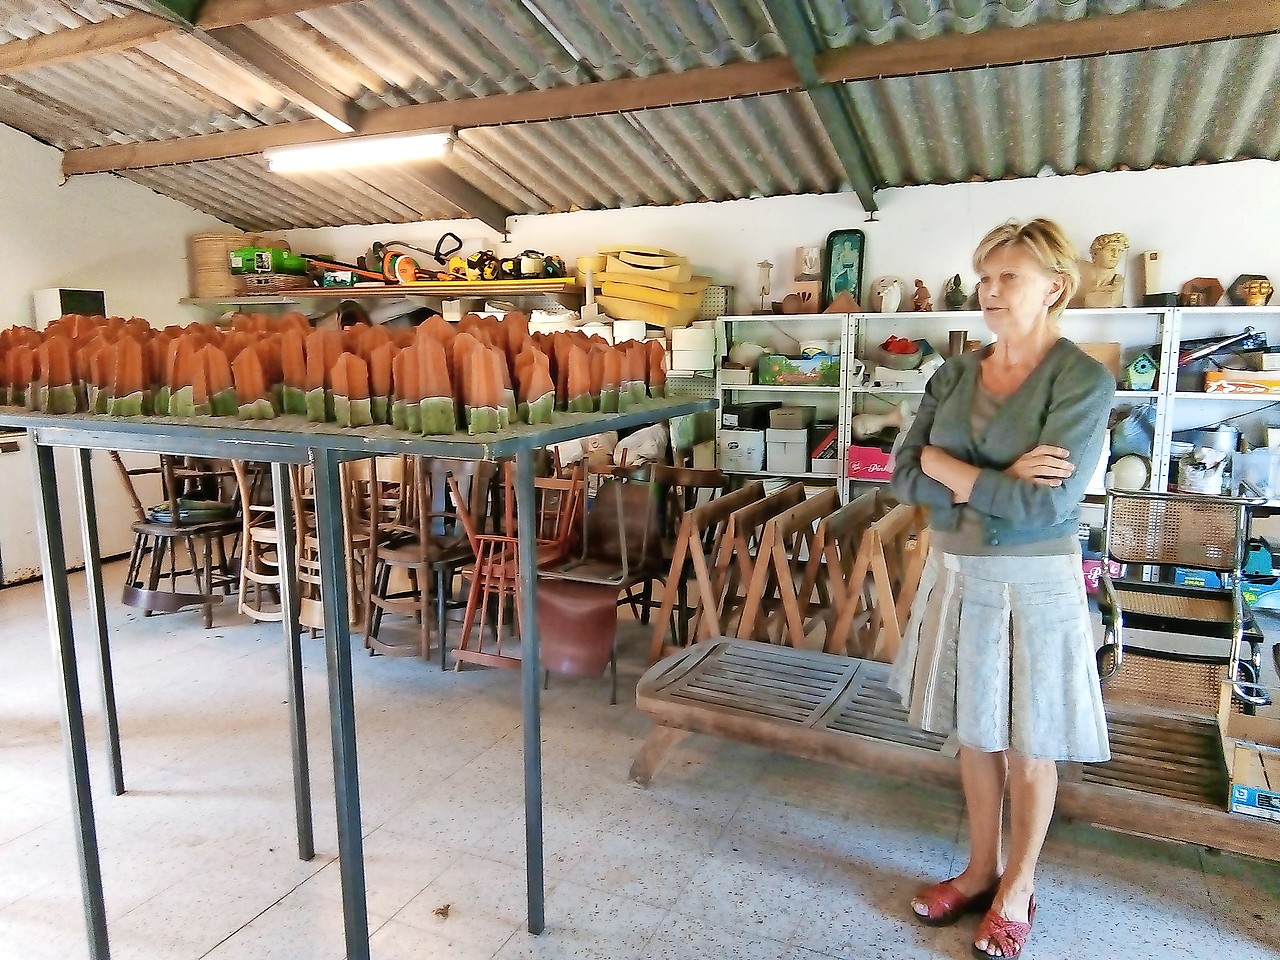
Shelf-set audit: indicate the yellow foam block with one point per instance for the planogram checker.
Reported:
(665, 298)
(655, 315)
(677, 273)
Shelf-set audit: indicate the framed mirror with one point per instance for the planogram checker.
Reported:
(842, 265)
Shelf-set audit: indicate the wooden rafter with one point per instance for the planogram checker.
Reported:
(1201, 22)
(121, 33)
(612, 96)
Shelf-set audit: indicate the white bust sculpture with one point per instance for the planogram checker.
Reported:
(1100, 284)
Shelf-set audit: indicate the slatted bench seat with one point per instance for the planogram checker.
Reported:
(1166, 778)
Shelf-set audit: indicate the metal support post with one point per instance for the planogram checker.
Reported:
(286, 560)
(342, 717)
(98, 610)
(57, 598)
(530, 675)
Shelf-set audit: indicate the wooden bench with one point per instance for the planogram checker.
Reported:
(1166, 778)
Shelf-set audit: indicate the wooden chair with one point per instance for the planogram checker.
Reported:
(698, 543)
(892, 555)
(259, 594)
(736, 560)
(202, 527)
(494, 573)
(421, 535)
(841, 535)
(780, 592)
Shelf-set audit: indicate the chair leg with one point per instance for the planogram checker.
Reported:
(441, 626)
(613, 671)
(424, 614)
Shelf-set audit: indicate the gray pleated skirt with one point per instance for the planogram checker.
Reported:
(1000, 651)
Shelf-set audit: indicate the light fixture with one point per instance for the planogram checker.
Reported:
(357, 151)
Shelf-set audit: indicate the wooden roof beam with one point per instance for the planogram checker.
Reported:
(774, 75)
(833, 110)
(462, 194)
(136, 29)
(1095, 36)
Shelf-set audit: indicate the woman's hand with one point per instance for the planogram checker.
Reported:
(1046, 465)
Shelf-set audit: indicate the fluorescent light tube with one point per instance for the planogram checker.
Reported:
(357, 151)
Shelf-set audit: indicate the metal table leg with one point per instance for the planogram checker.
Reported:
(286, 559)
(98, 610)
(342, 719)
(58, 603)
(526, 510)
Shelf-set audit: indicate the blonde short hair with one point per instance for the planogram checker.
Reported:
(1048, 244)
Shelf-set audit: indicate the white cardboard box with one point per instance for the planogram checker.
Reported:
(694, 338)
(787, 450)
(740, 451)
(693, 359)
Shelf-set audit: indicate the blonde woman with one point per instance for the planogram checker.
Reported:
(999, 648)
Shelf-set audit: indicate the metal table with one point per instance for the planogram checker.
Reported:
(281, 442)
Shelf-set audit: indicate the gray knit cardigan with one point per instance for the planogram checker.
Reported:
(1065, 402)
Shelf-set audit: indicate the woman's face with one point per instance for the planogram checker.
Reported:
(1015, 292)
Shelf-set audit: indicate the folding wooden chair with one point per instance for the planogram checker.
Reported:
(736, 560)
(788, 548)
(697, 544)
(892, 555)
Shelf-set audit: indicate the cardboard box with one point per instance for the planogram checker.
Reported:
(747, 416)
(1251, 749)
(1242, 381)
(731, 376)
(799, 371)
(791, 418)
(830, 467)
(1092, 568)
(905, 379)
(824, 442)
(869, 463)
(787, 451)
(693, 359)
(696, 337)
(740, 451)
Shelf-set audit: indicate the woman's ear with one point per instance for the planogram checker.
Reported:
(1056, 287)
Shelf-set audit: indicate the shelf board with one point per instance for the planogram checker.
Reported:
(775, 388)
(915, 392)
(1138, 394)
(784, 475)
(1238, 397)
(478, 288)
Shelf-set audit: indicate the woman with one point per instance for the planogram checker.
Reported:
(999, 648)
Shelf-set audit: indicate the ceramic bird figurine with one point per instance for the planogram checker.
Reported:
(868, 424)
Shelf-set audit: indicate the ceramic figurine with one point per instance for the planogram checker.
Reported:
(765, 282)
(1250, 290)
(1200, 292)
(1100, 284)
(886, 295)
(953, 294)
(921, 302)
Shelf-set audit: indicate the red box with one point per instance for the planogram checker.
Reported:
(869, 463)
(1093, 572)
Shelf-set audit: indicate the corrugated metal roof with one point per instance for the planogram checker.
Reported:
(1208, 102)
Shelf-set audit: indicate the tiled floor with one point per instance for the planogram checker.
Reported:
(732, 853)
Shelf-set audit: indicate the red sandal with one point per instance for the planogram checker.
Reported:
(946, 903)
(1007, 936)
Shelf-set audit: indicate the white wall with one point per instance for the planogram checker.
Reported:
(1220, 220)
(97, 232)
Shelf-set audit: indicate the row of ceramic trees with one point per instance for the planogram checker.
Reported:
(478, 376)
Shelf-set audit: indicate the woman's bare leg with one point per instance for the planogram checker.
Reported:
(983, 776)
(1033, 788)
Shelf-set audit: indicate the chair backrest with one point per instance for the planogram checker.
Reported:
(682, 489)
(624, 525)
(1204, 532)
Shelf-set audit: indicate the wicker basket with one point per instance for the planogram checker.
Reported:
(252, 283)
(208, 266)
